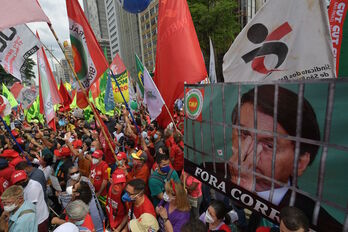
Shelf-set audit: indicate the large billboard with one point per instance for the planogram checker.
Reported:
(266, 146)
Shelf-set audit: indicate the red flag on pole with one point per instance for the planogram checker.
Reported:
(17, 12)
(49, 95)
(178, 58)
(65, 96)
(90, 62)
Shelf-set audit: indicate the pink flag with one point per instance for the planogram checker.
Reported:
(16, 12)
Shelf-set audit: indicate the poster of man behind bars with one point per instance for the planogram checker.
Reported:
(267, 144)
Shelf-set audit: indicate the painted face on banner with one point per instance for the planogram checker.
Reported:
(284, 160)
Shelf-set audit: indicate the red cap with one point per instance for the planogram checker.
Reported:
(97, 154)
(118, 176)
(14, 133)
(9, 153)
(20, 141)
(16, 161)
(18, 175)
(121, 155)
(64, 151)
(77, 143)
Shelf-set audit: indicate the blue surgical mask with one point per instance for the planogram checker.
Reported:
(155, 136)
(92, 149)
(61, 122)
(126, 197)
(165, 169)
(79, 223)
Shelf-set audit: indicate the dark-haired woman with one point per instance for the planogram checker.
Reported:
(216, 217)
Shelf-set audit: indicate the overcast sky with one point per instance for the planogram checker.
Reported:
(56, 12)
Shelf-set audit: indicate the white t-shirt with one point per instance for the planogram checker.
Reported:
(33, 193)
(118, 136)
(47, 171)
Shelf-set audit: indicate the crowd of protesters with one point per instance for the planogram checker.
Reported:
(71, 180)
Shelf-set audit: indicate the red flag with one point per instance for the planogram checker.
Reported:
(178, 57)
(49, 95)
(90, 62)
(65, 96)
(17, 12)
(16, 89)
(95, 90)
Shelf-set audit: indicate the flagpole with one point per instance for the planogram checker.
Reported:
(84, 91)
(125, 102)
(165, 105)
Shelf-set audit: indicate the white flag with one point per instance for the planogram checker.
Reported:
(285, 40)
(16, 45)
(212, 72)
(152, 97)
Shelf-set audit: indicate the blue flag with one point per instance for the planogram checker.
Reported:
(109, 96)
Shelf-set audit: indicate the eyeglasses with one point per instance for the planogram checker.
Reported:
(72, 173)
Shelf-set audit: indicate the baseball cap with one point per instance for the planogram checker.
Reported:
(121, 155)
(77, 143)
(16, 161)
(9, 153)
(146, 222)
(118, 176)
(64, 151)
(18, 175)
(97, 154)
(20, 140)
(140, 155)
(14, 133)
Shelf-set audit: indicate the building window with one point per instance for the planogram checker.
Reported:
(152, 11)
(147, 26)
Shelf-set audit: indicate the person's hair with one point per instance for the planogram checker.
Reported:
(177, 190)
(72, 167)
(137, 184)
(286, 115)
(167, 133)
(77, 210)
(160, 157)
(177, 137)
(22, 165)
(221, 211)
(14, 191)
(294, 219)
(85, 192)
(48, 159)
(194, 225)
(130, 143)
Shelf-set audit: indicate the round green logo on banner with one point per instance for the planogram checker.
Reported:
(194, 103)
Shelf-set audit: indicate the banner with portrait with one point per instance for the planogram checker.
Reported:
(293, 147)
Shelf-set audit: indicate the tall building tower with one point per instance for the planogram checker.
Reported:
(248, 9)
(124, 34)
(68, 75)
(95, 12)
(148, 31)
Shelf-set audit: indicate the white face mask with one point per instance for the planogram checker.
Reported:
(95, 161)
(80, 150)
(208, 217)
(69, 190)
(10, 208)
(166, 198)
(76, 176)
(79, 223)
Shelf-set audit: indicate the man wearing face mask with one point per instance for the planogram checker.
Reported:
(99, 173)
(33, 193)
(19, 215)
(136, 201)
(62, 165)
(158, 178)
(77, 211)
(140, 169)
(115, 208)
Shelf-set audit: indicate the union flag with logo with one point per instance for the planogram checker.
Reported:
(89, 60)
(194, 99)
(285, 40)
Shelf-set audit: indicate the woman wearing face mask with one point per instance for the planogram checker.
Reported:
(216, 217)
(174, 209)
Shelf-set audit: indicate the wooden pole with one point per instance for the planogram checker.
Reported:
(84, 92)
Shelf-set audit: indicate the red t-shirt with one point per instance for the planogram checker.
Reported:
(177, 154)
(170, 141)
(7, 172)
(99, 173)
(223, 227)
(115, 209)
(146, 207)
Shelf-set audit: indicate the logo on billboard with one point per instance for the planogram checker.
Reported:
(194, 103)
